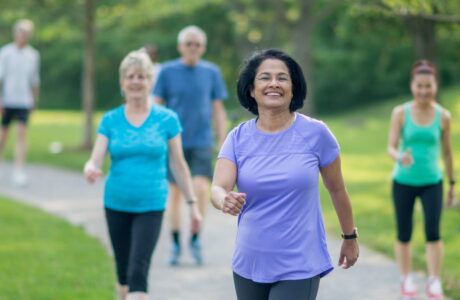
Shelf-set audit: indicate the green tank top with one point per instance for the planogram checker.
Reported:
(424, 142)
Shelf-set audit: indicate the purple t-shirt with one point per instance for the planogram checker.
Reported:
(280, 228)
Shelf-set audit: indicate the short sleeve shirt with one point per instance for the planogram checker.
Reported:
(280, 233)
(137, 180)
(19, 73)
(190, 91)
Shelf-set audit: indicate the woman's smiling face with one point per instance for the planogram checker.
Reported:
(272, 87)
(135, 83)
(424, 87)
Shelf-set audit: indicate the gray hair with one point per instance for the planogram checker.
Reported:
(23, 25)
(191, 30)
(139, 59)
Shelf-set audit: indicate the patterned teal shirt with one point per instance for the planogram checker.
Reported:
(137, 180)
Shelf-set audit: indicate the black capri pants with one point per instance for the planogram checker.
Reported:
(404, 197)
(134, 237)
(303, 289)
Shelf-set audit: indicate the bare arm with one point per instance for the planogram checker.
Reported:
(222, 196)
(35, 94)
(35, 84)
(181, 173)
(180, 169)
(447, 155)
(92, 169)
(333, 180)
(395, 132)
(220, 121)
(394, 135)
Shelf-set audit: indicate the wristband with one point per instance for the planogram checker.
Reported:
(352, 236)
(452, 182)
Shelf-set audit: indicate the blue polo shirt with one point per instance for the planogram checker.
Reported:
(137, 180)
(190, 91)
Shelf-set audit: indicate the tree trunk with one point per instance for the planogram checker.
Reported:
(88, 75)
(423, 33)
(302, 49)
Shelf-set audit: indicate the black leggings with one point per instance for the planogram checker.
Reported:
(404, 200)
(304, 289)
(133, 236)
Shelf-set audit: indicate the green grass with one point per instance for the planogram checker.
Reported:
(42, 257)
(47, 127)
(367, 170)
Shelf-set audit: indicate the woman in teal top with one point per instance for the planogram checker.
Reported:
(419, 133)
(139, 139)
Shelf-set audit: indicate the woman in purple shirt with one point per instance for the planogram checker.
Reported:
(275, 161)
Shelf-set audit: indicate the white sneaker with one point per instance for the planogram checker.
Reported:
(19, 179)
(434, 289)
(408, 288)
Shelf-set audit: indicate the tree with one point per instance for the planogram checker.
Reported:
(420, 17)
(88, 75)
(285, 24)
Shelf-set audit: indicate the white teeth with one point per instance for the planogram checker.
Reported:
(273, 94)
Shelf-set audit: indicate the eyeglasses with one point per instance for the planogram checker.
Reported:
(192, 44)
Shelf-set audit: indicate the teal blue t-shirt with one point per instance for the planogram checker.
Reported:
(137, 180)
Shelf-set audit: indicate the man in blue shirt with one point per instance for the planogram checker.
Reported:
(195, 90)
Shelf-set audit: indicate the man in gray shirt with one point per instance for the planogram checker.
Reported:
(19, 89)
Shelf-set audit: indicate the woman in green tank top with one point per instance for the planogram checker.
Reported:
(419, 135)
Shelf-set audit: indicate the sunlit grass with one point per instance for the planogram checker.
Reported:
(43, 257)
(64, 128)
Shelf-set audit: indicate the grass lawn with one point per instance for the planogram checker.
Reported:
(43, 257)
(362, 135)
(47, 127)
(367, 170)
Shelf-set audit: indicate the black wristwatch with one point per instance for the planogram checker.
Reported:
(452, 182)
(352, 236)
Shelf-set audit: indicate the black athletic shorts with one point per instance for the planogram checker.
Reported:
(11, 114)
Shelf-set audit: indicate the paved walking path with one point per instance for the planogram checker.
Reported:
(66, 194)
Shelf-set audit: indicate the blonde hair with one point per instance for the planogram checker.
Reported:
(193, 30)
(24, 25)
(139, 59)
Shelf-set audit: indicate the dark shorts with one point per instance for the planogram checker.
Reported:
(199, 161)
(11, 114)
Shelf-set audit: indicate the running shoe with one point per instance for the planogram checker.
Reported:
(195, 250)
(434, 289)
(408, 288)
(175, 255)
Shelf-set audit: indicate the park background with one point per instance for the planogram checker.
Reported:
(357, 57)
